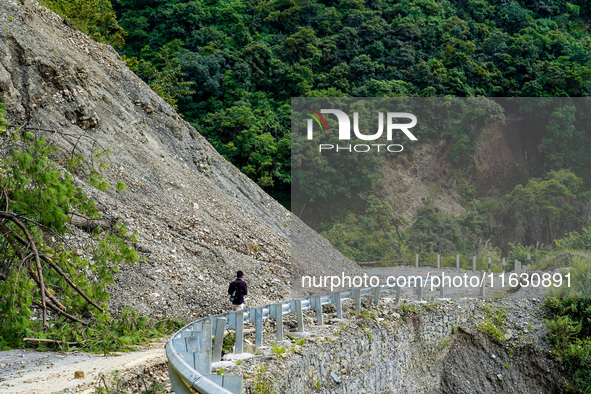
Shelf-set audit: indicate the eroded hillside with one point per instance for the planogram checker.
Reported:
(198, 219)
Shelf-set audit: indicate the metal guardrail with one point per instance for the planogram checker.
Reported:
(193, 348)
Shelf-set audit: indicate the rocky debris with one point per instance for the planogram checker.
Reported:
(138, 380)
(523, 369)
(198, 219)
(335, 377)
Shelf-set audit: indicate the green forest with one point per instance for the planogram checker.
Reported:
(232, 67)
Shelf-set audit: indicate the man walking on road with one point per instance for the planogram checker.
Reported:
(237, 291)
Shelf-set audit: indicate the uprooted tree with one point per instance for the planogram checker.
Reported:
(48, 292)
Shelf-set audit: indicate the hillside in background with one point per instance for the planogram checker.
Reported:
(231, 67)
(243, 61)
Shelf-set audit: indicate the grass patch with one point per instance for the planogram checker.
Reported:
(278, 349)
(494, 323)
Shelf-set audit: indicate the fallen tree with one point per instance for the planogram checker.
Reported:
(49, 294)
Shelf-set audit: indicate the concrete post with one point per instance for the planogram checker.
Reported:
(483, 285)
(239, 347)
(504, 265)
(318, 304)
(357, 295)
(457, 261)
(441, 291)
(417, 260)
(378, 290)
(258, 319)
(474, 263)
(398, 295)
(299, 315)
(279, 321)
(518, 267)
(220, 326)
(489, 266)
(438, 261)
(339, 305)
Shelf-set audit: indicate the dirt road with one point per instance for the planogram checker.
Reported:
(28, 371)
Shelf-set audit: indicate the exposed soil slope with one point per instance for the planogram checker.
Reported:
(198, 218)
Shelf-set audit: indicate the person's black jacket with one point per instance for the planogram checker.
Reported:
(239, 286)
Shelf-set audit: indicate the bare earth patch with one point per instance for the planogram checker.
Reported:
(28, 371)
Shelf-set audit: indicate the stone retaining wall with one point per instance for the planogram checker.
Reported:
(379, 356)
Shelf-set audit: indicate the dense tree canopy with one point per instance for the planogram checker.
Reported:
(249, 58)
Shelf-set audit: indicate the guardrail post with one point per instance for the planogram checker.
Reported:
(279, 321)
(357, 295)
(220, 326)
(203, 361)
(339, 304)
(489, 266)
(203, 355)
(438, 261)
(248, 315)
(258, 318)
(376, 301)
(474, 263)
(232, 321)
(299, 315)
(398, 295)
(457, 261)
(483, 285)
(417, 260)
(206, 338)
(318, 306)
(504, 265)
(239, 347)
(420, 293)
(192, 344)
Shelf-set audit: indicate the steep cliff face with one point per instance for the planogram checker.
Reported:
(197, 217)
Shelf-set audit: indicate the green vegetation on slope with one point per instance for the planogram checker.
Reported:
(539, 213)
(569, 320)
(94, 17)
(48, 291)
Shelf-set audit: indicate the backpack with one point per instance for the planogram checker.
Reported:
(233, 297)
